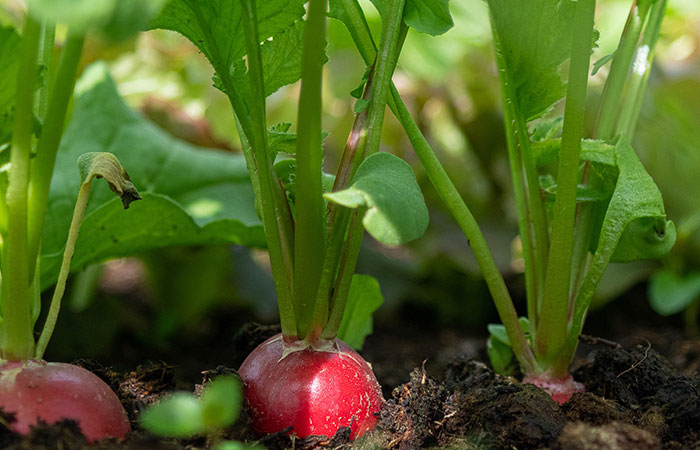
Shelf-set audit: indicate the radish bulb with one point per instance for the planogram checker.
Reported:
(314, 391)
(35, 390)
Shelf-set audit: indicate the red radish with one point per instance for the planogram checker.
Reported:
(560, 389)
(36, 390)
(314, 391)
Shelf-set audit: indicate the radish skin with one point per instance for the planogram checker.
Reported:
(316, 392)
(36, 390)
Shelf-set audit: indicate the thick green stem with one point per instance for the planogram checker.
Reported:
(393, 35)
(64, 271)
(16, 340)
(310, 225)
(51, 133)
(533, 277)
(273, 205)
(553, 325)
(612, 92)
(641, 68)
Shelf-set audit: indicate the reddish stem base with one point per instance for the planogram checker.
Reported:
(560, 389)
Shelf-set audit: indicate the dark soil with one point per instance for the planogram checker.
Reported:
(635, 399)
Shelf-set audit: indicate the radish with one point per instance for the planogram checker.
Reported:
(315, 391)
(35, 390)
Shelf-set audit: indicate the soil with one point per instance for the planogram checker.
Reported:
(440, 395)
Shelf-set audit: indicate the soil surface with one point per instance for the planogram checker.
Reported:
(635, 399)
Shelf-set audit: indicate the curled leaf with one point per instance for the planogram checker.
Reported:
(106, 165)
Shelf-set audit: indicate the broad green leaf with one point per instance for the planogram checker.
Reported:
(221, 402)
(216, 28)
(386, 186)
(190, 195)
(534, 39)
(364, 299)
(635, 198)
(427, 16)
(670, 293)
(114, 19)
(179, 415)
(9, 55)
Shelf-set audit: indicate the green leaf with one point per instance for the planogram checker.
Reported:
(364, 298)
(114, 19)
(670, 293)
(534, 39)
(216, 28)
(281, 61)
(9, 55)
(221, 402)
(190, 195)
(592, 150)
(386, 185)
(636, 199)
(279, 139)
(499, 350)
(179, 415)
(428, 16)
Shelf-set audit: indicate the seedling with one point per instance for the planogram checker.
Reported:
(182, 415)
(31, 388)
(597, 205)
(313, 238)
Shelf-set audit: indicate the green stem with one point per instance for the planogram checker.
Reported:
(64, 271)
(338, 217)
(310, 225)
(48, 38)
(16, 340)
(533, 277)
(614, 85)
(553, 325)
(393, 35)
(51, 134)
(273, 206)
(641, 68)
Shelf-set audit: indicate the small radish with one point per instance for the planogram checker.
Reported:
(35, 390)
(314, 391)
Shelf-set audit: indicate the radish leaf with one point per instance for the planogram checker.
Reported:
(386, 186)
(534, 39)
(427, 16)
(670, 293)
(190, 195)
(364, 299)
(9, 55)
(216, 28)
(635, 200)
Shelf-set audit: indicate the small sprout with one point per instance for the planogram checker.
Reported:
(182, 415)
